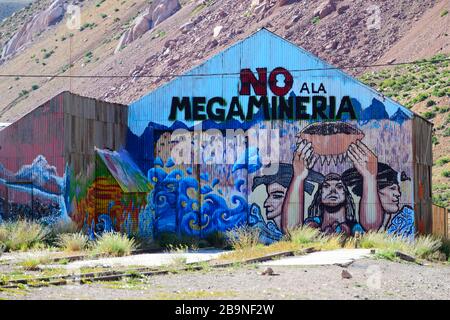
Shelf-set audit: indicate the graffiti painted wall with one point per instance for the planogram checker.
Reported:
(47, 158)
(32, 166)
(262, 134)
(268, 135)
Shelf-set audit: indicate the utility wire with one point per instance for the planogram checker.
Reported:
(212, 74)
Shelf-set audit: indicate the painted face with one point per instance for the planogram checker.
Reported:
(333, 193)
(274, 202)
(390, 198)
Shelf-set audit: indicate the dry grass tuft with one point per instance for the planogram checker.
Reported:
(114, 244)
(22, 235)
(73, 242)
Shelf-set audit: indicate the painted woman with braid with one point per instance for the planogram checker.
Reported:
(332, 210)
(390, 216)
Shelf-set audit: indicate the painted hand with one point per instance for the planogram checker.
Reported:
(304, 159)
(364, 160)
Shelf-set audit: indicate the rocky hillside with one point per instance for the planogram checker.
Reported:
(8, 8)
(135, 37)
(130, 38)
(425, 89)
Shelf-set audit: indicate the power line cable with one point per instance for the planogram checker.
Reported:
(212, 74)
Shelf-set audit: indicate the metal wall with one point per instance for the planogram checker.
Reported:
(32, 165)
(423, 164)
(48, 158)
(89, 124)
(202, 197)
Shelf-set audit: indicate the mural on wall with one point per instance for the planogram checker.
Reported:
(268, 145)
(34, 192)
(115, 198)
(373, 185)
(345, 152)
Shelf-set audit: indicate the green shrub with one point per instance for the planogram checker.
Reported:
(422, 247)
(431, 103)
(444, 13)
(23, 93)
(446, 173)
(48, 54)
(34, 87)
(315, 20)
(447, 132)
(22, 235)
(442, 161)
(383, 241)
(73, 242)
(32, 264)
(114, 244)
(429, 114)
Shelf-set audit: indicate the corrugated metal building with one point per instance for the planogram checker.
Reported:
(264, 134)
(48, 158)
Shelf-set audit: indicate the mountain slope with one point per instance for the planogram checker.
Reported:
(8, 8)
(341, 37)
(424, 88)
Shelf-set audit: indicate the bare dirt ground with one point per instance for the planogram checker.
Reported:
(371, 279)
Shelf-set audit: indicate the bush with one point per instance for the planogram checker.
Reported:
(32, 264)
(431, 103)
(304, 235)
(243, 237)
(447, 132)
(446, 173)
(442, 161)
(22, 235)
(114, 244)
(421, 247)
(429, 115)
(425, 246)
(73, 242)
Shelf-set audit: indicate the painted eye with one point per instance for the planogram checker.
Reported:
(183, 204)
(155, 179)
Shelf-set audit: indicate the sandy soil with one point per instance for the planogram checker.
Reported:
(371, 279)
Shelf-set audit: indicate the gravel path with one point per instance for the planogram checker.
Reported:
(371, 279)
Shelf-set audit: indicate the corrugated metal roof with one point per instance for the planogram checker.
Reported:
(124, 170)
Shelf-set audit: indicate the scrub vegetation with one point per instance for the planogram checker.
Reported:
(114, 244)
(423, 88)
(73, 242)
(386, 246)
(22, 235)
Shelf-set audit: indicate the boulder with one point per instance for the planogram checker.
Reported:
(285, 2)
(345, 274)
(163, 9)
(36, 25)
(343, 8)
(216, 31)
(185, 28)
(156, 13)
(325, 9)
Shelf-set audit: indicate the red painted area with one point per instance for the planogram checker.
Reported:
(37, 133)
